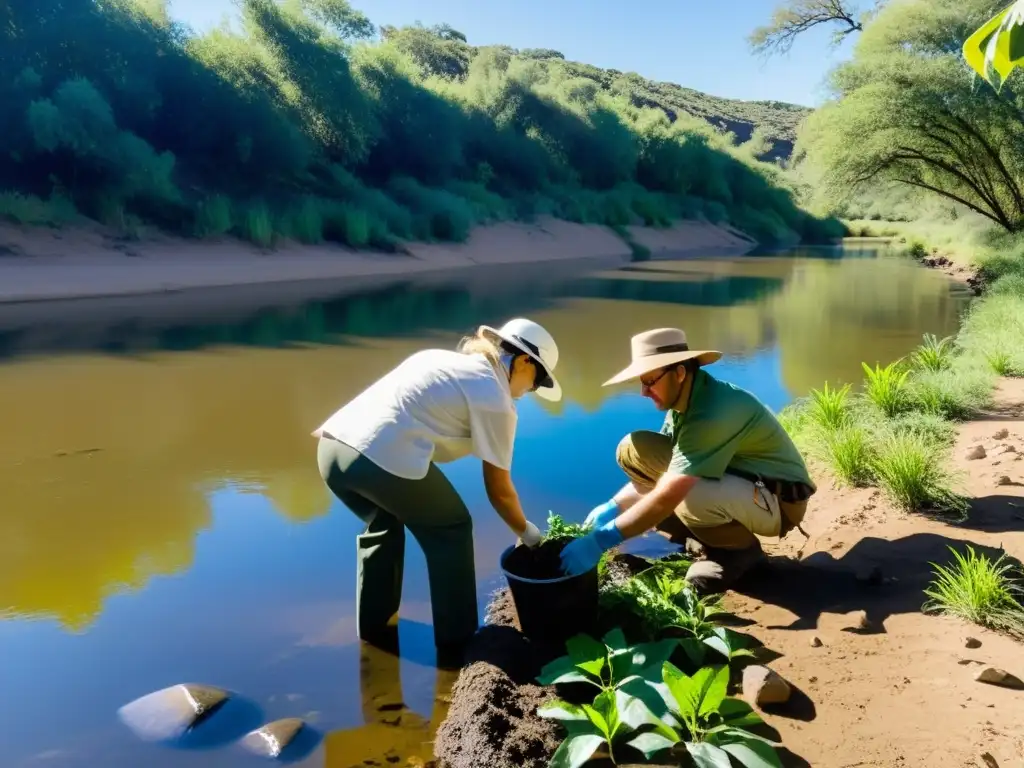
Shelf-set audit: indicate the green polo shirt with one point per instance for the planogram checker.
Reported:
(725, 426)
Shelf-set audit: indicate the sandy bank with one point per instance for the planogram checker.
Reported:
(48, 265)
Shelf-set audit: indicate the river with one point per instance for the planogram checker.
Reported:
(163, 520)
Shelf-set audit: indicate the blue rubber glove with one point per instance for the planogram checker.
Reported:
(602, 514)
(582, 554)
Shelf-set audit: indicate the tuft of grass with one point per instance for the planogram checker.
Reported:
(256, 225)
(306, 222)
(980, 590)
(34, 211)
(1001, 362)
(848, 453)
(213, 217)
(829, 408)
(931, 427)
(934, 354)
(887, 387)
(909, 469)
(956, 393)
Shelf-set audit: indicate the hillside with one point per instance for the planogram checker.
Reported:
(298, 123)
(444, 51)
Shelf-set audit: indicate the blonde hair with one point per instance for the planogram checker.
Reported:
(478, 344)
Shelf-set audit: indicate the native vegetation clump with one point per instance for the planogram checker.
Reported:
(981, 590)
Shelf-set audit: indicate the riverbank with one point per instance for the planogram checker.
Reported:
(45, 265)
(923, 461)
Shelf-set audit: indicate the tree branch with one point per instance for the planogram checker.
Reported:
(794, 17)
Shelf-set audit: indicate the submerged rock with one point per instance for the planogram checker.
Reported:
(271, 739)
(762, 685)
(170, 712)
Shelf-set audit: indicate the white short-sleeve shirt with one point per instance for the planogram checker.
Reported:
(437, 405)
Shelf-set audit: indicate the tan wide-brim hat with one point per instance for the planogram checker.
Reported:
(656, 349)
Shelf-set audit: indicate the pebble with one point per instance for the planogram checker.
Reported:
(1000, 677)
(270, 740)
(972, 642)
(1008, 449)
(170, 712)
(1001, 434)
(1004, 480)
(762, 685)
(816, 642)
(977, 452)
(985, 760)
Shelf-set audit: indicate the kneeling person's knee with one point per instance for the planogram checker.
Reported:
(644, 456)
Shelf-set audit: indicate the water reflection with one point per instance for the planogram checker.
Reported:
(180, 450)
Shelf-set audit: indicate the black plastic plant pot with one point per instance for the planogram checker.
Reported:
(551, 606)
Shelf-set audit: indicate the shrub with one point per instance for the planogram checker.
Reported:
(976, 589)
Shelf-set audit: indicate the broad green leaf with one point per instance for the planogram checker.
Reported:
(561, 710)
(598, 719)
(974, 48)
(728, 643)
(711, 685)
(562, 670)
(694, 650)
(607, 704)
(736, 713)
(682, 690)
(633, 710)
(646, 692)
(654, 654)
(576, 750)
(724, 734)
(587, 654)
(615, 639)
(651, 743)
(708, 755)
(753, 754)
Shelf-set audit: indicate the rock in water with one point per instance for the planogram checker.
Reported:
(762, 685)
(170, 712)
(270, 740)
(977, 452)
(1000, 677)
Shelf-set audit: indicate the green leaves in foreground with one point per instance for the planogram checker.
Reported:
(998, 45)
(646, 702)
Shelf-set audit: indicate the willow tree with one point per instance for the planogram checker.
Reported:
(906, 111)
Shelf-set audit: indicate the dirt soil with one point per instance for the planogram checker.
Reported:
(543, 562)
(876, 683)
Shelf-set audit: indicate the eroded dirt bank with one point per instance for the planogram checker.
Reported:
(875, 681)
(42, 264)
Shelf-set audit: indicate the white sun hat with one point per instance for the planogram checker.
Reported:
(532, 340)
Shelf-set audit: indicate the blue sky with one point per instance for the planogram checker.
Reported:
(698, 44)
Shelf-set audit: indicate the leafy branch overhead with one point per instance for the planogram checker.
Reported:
(794, 17)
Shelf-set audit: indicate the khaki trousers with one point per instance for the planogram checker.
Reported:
(719, 513)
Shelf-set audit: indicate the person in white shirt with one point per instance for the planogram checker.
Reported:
(379, 454)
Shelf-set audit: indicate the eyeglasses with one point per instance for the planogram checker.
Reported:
(648, 384)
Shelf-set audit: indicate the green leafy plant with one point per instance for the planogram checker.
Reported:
(559, 529)
(624, 677)
(887, 387)
(829, 408)
(980, 590)
(712, 726)
(933, 354)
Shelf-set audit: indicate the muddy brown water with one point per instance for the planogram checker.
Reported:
(163, 520)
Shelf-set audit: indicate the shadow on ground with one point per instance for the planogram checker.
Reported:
(882, 578)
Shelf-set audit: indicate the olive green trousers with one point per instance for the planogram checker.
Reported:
(434, 512)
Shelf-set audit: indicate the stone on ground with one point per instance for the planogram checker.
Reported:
(1001, 434)
(170, 712)
(762, 685)
(977, 452)
(1000, 677)
(270, 740)
(972, 642)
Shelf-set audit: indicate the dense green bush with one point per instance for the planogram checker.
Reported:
(296, 124)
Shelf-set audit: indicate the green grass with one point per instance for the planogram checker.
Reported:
(977, 589)
(34, 211)
(911, 471)
(933, 354)
(848, 452)
(886, 387)
(830, 408)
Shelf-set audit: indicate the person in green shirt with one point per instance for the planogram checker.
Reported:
(721, 471)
